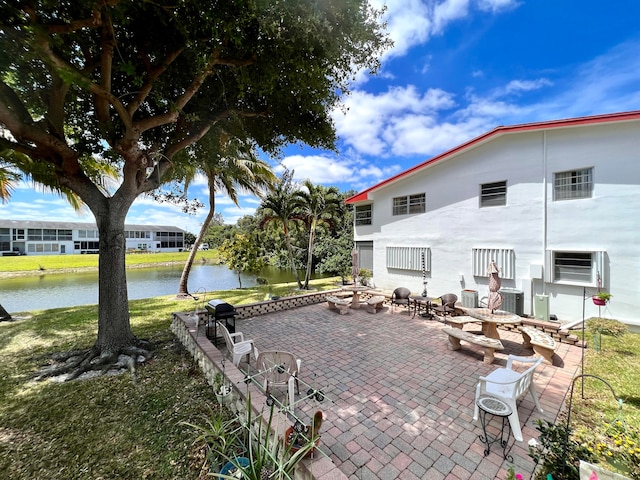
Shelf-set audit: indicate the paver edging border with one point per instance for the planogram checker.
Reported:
(209, 360)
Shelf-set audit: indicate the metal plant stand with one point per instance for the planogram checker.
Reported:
(496, 407)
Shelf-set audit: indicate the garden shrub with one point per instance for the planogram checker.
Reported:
(615, 446)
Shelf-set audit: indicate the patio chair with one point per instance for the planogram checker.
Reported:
(237, 346)
(509, 386)
(279, 369)
(447, 304)
(400, 296)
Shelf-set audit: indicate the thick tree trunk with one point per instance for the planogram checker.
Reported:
(114, 327)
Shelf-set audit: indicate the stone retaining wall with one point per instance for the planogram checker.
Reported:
(210, 360)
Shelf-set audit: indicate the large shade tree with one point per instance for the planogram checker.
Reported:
(133, 83)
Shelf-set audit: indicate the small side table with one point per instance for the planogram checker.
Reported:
(496, 407)
(421, 306)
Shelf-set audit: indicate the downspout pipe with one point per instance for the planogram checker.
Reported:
(544, 211)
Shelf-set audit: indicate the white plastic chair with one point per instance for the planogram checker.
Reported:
(237, 346)
(279, 369)
(509, 386)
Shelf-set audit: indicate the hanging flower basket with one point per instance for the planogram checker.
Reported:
(601, 298)
(598, 301)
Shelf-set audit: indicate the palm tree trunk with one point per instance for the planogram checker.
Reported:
(312, 239)
(183, 290)
(292, 261)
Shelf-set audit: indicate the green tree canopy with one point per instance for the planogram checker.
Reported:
(242, 254)
(134, 83)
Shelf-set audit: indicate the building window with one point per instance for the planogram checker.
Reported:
(34, 234)
(87, 234)
(409, 258)
(5, 239)
(65, 235)
(363, 214)
(505, 258)
(576, 268)
(493, 194)
(49, 234)
(573, 184)
(409, 204)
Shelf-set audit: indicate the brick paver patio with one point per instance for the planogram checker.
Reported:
(399, 404)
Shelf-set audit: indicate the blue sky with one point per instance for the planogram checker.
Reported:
(458, 68)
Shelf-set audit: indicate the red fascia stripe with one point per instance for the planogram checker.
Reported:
(524, 127)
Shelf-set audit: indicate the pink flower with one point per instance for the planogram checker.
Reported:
(593, 476)
(519, 477)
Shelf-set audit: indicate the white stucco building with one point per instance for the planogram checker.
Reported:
(58, 238)
(556, 204)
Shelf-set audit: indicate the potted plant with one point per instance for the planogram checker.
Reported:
(222, 389)
(601, 298)
(267, 456)
(365, 275)
(219, 435)
(298, 435)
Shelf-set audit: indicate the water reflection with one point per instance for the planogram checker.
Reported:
(65, 290)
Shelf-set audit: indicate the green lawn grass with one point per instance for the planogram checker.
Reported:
(112, 427)
(109, 427)
(34, 263)
(618, 363)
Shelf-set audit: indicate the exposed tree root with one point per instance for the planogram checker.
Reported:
(74, 364)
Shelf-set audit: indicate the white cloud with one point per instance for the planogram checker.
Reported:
(413, 22)
(408, 23)
(447, 12)
(608, 83)
(320, 169)
(497, 5)
(516, 86)
(233, 214)
(364, 124)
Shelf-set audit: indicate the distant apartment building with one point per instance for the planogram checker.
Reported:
(59, 238)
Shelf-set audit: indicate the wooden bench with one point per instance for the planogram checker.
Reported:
(489, 345)
(542, 343)
(336, 303)
(460, 321)
(375, 303)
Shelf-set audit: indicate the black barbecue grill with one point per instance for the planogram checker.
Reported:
(220, 311)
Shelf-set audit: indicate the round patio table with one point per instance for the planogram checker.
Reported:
(356, 289)
(490, 321)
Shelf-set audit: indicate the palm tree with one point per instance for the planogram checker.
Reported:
(280, 206)
(15, 167)
(8, 180)
(317, 205)
(230, 167)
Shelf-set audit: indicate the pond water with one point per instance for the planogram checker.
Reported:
(40, 292)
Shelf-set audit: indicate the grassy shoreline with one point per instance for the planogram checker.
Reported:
(45, 264)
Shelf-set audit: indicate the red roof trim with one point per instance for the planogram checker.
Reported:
(570, 122)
